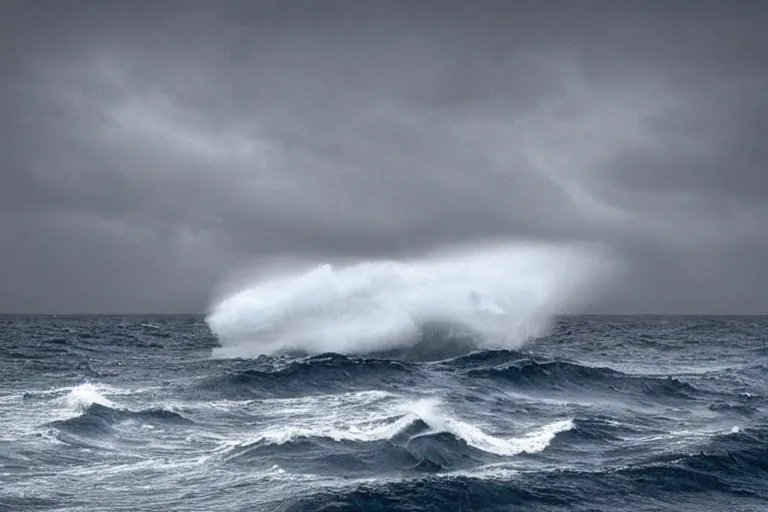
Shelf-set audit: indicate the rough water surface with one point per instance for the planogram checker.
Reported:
(605, 413)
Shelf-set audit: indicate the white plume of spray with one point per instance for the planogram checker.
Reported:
(505, 294)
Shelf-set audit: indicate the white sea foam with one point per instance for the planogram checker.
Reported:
(83, 396)
(357, 416)
(487, 472)
(533, 441)
(370, 424)
(504, 294)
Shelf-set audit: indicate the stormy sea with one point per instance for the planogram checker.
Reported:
(441, 384)
(603, 413)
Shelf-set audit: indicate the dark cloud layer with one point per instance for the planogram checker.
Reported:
(151, 148)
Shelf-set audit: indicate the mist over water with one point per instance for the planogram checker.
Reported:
(500, 295)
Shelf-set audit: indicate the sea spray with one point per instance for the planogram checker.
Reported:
(502, 294)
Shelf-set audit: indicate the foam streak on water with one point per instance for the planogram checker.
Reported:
(502, 294)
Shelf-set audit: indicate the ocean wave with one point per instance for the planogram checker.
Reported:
(563, 375)
(731, 467)
(595, 430)
(740, 409)
(482, 358)
(99, 419)
(314, 374)
(742, 451)
(431, 437)
(499, 490)
(83, 396)
(434, 494)
(85, 411)
(505, 295)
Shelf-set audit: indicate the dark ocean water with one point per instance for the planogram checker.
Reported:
(605, 414)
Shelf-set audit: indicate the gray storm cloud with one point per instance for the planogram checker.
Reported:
(152, 150)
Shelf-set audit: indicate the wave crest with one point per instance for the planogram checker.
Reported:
(421, 428)
(562, 375)
(502, 296)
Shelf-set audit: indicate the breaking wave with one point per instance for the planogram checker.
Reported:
(87, 413)
(501, 296)
(425, 437)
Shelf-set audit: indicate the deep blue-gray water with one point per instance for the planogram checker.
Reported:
(605, 414)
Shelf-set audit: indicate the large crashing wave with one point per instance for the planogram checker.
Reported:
(502, 295)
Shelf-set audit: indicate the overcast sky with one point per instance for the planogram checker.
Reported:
(149, 149)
